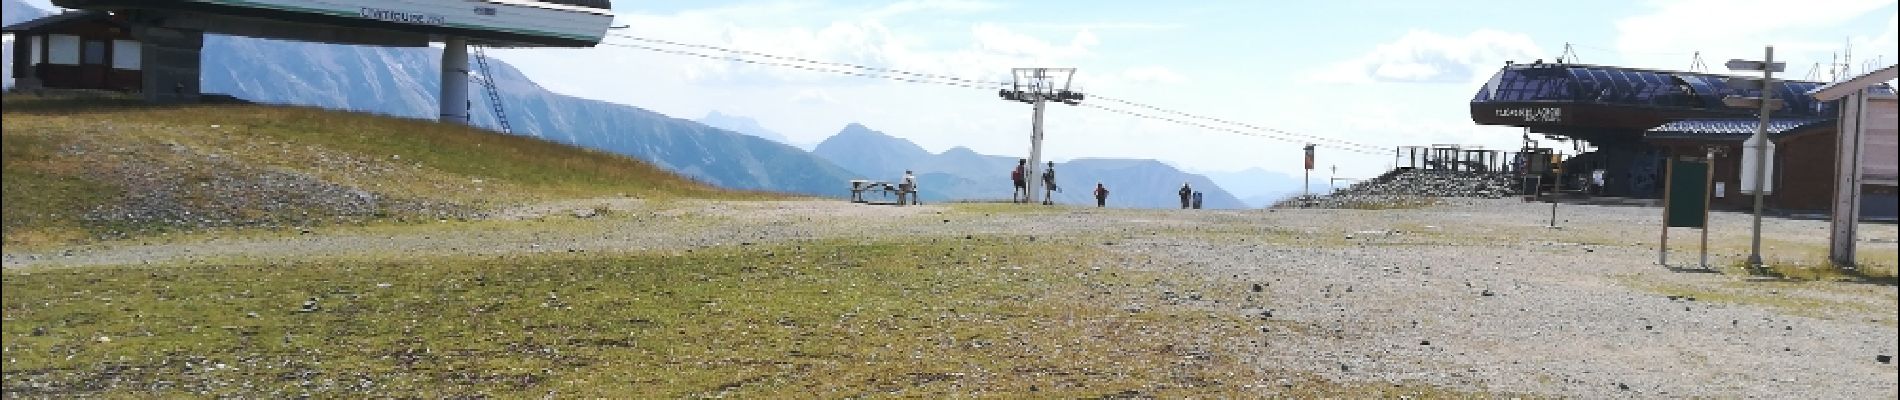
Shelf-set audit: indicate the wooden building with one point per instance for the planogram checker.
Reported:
(76, 50)
(1803, 172)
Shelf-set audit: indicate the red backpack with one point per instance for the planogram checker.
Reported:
(1016, 175)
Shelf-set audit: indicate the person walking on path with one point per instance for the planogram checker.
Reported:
(1017, 178)
(1186, 195)
(1101, 195)
(1049, 184)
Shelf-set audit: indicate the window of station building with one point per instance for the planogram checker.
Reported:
(39, 49)
(62, 49)
(125, 55)
(1654, 89)
(93, 52)
(1606, 88)
(1533, 84)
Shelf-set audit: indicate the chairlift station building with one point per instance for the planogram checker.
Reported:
(153, 46)
(1637, 118)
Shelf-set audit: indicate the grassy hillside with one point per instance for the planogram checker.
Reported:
(81, 169)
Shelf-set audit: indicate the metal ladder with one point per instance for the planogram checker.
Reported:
(488, 85)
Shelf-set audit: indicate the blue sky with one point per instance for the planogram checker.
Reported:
(1383, 73)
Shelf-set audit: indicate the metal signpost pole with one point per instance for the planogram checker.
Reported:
(1707, 159)
(1306, 176)
(1669, 176)
(1759, 145)
(1761, 155)
(1553, 210)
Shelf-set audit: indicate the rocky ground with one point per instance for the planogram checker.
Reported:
(1470, 294)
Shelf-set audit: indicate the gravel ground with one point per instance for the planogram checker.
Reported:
(1473, 294)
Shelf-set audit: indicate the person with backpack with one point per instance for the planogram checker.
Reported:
(1186, 195)
(1049, 184)
(1021, 187)
(1101, 195)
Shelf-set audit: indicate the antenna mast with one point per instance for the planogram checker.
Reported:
(1847, 61)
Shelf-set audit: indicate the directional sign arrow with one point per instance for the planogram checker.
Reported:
(1752, 102)
(1746, 65)
(1745, 83)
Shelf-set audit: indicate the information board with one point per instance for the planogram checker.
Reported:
(1688, 194)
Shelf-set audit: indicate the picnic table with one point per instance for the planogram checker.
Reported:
(860, 186)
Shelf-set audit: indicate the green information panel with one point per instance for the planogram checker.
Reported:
(1688, 194)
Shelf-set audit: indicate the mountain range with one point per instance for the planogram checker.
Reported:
(722, 149)
(749, 126)
(1256, 186)
(403, 82)
(960, 173)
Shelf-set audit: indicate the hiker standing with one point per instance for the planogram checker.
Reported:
(1101, 195)
(1017, 178)
(1197, 200)
(1049, 184)
(1186, 195)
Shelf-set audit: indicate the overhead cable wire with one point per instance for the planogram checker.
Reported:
(797, 66)
(1237, 123)
(1640, 53)
(1227, 129)
(820, 62)
(1258, 131)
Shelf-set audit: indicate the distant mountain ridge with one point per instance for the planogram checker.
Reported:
(748, 126)
(1256, 186)
(13, 12)
(403, 82)
(963, 174)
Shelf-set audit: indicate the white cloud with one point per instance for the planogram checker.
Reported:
(813, 97)
(1670, 31)
(1152, 74)
(1425, 56)
(913, 6)
(808, 105)
(1003, 41)
(1680, 24)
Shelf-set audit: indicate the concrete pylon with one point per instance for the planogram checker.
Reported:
(454, 102)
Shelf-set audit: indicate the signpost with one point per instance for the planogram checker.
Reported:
(1307, 176)
(1755, 157)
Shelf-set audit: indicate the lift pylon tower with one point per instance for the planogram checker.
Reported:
(1038, 86)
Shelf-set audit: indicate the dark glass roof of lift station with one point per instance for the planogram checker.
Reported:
(1615, 86)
